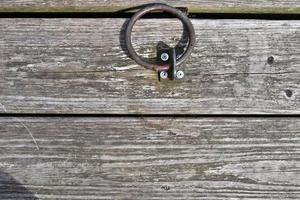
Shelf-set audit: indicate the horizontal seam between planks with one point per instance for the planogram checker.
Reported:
(264, 16)
(54, 115)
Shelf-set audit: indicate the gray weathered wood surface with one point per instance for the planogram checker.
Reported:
(150, 158)
(196, 6)
(79, 66)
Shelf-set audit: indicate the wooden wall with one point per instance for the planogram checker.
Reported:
(79, 119)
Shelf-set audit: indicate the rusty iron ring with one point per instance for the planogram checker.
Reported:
(160, 7)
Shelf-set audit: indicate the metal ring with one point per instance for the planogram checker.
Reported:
(154, 7)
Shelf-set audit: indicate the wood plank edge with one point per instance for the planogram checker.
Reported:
(109, 9)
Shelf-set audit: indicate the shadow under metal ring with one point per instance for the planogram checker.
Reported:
(160, 7)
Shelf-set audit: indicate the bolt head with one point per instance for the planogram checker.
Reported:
(179, 74)
(164, 56)
(163, 75)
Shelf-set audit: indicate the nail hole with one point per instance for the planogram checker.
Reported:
(171, 133)
(288, 93)
(166, 187)
(271, 60)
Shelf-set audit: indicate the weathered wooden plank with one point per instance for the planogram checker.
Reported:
(79, 66)
(150, 158)
(208, 6)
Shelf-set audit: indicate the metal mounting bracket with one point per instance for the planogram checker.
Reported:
(167, 57)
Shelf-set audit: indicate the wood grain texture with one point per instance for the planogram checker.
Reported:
(195, 6)
(151, 158)
(79, 66)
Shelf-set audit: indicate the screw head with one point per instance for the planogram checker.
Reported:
(179, 74)
(163, 75)
(164, 56)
